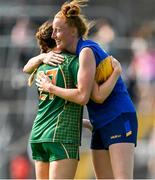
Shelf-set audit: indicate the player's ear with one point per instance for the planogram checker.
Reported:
(74, 31)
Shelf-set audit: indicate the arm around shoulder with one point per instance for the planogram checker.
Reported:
(33, 63)
(85, 79)
(101, 92)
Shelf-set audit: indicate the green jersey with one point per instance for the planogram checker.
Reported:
(58, 120)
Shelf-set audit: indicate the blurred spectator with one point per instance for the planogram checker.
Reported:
(22, 33)
(142, 72)
(22, 37)
(104, 34)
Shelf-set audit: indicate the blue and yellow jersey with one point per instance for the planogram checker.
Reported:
(119, 100)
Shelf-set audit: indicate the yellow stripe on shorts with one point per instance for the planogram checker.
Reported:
(128, 133)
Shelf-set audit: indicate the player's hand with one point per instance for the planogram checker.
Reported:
(53, 59)
(43, 83)
(116, 65)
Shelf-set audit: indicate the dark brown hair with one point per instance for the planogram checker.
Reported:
(43, 36)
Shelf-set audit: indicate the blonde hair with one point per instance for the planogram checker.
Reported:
(71, 12)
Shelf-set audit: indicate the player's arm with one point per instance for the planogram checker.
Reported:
(86, 73)
(33, 63)
(101, 92)
(50, 58)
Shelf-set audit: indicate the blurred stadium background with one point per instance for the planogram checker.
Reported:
(125, 28)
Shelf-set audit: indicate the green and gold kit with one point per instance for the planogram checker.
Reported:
(58, 120)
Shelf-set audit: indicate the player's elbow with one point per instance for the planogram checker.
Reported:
(27, 70)
(84, 98)
(98, 99)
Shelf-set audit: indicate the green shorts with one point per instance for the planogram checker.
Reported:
(53, 151)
